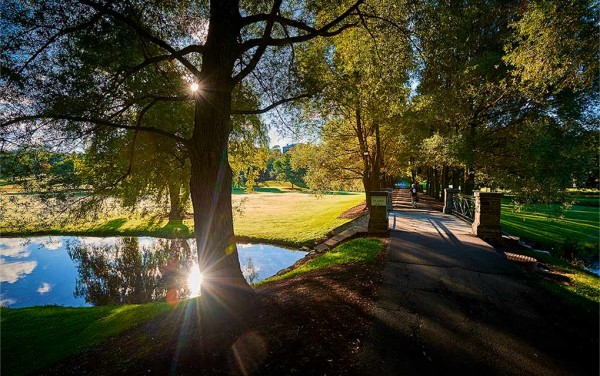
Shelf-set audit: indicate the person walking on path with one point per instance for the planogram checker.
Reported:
(414, 195)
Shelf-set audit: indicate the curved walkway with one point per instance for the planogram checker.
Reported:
(449, 303)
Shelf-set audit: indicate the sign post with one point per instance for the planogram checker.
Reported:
(378, 220)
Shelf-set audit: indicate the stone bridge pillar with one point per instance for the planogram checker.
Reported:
(486, 224)
(449, 193)
(378, 219)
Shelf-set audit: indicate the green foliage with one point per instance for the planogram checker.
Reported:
(357, 250)
(439, 151)
(39, 169)
(286, 171)
(554, 46)
(361, 78)
(300, 218)
(509, 88)
(325, 168)
(36, 337)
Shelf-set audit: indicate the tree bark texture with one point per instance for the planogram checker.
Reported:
(176, 204)
(224, 288)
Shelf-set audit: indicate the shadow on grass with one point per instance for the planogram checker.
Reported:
(176, 228)
(111, 226)
(239, 191)
(583, 307)
(268, 190)
(154, 228)
(341, 193)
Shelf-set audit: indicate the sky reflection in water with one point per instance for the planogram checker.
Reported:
(84, 271)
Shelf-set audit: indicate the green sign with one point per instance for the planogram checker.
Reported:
(378, 200)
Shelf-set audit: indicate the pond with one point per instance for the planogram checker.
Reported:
(85, 271)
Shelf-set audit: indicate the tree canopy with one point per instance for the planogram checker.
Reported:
(95, 70)
(169, 96)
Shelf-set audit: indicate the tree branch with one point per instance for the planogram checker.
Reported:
(148, 36)
(253, 43)
(99, 122)
(261, 47)
(159, 58)
(261, 17)
(262, 43)
(402, 30)
(56, 36)
(269, 107)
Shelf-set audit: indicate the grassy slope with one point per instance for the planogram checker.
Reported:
(33, 338)
(291, 218)
(357, 250)
(539, 223)
(38, 336)
(288, 217)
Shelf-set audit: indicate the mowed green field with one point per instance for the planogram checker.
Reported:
(548, 227)
(51, 333)
(288, 217)
(542, 225)
(293, 218)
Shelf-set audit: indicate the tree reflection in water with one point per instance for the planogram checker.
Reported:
(249, 271)
(129, 274)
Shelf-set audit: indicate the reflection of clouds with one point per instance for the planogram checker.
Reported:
(6, 302)
(14, 248)
(146, 242)
(44, 288)
(11, 272)
(52, 244)
(98, 242)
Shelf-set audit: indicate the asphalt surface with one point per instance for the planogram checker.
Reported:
(451, 304)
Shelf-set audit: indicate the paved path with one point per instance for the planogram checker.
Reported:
(450, 304)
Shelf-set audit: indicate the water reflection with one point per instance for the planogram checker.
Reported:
(127, 273)
(250, 271)
(83, 271)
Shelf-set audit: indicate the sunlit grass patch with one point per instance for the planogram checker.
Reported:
(291, 218)
(582, 291)
(36, 337)
(357, 250)
(540, 224)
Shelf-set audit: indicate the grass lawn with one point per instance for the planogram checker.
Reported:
(36, 337)
(357, 250)
(539, 224)
(33, 338)
(289, 217)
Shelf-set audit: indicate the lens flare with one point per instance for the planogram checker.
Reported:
(194, 87)
(194, 281)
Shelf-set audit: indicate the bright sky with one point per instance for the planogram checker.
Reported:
(276, 139)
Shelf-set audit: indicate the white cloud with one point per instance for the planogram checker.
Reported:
(146, 242)
(11, 272)
(17, 248)
(98, 242)
(52, 244)
(6, 302)
(44, 288)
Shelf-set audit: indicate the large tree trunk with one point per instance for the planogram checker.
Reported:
(177, 209)
(226, 295)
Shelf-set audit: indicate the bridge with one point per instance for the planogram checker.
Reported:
(450, 303)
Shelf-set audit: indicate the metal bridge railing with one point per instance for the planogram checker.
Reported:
(463, 206)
